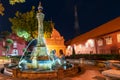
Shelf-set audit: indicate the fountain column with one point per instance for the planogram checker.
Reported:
(40, 18)
(40, 56)
(41, 49)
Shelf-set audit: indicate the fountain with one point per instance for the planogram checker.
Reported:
(40, 63)
(40, 58)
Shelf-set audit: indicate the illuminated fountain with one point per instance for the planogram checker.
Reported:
(40, 58)
(41, 64)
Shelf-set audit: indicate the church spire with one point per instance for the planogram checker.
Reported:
(76, 26)
(40, 7)
(51, 24)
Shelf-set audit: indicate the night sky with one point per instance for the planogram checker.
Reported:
(91, 14)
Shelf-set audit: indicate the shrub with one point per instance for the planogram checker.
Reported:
(101, 65)
(9, 41)
(96, 56)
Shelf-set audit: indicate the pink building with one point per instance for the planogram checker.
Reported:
(16, 48)
(56, 42)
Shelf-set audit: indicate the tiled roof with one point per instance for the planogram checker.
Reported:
(111, 26)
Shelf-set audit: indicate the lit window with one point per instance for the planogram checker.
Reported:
(3, 43)
(78, 49)
(15, 44)
(118, 37)
(86, 45)
(100, 42)
(89, 43)
(69, 50)
(80, 46)
(108, 40)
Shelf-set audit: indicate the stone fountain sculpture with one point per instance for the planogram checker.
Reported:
(39, 57)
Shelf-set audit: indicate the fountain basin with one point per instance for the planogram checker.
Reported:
(45, 65)
(58, 74)
(30, 74)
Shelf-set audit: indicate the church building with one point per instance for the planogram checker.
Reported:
(105, 39)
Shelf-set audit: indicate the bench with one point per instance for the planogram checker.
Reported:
(112, 74)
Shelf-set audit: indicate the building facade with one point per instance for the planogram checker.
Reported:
(16, 48)
(55, 42)
(104, 39)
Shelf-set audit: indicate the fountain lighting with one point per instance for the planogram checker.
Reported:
(40, 63)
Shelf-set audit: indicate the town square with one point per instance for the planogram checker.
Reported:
(59, 40)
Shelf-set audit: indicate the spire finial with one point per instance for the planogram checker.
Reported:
(51, 20)
(40, 6)
(51, 23)
(76, 20)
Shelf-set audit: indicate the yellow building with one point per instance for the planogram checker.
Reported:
(56, 42)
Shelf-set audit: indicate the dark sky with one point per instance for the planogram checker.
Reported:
(91, 13)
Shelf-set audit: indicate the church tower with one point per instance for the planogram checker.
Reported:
(76, 24)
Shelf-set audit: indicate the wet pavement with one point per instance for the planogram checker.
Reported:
(89, 72)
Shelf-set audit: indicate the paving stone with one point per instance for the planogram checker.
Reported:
(91, 73)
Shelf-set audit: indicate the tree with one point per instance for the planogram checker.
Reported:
(25, 24)
(1, 9)
(12, 2)
(47, 29)
(7, 46)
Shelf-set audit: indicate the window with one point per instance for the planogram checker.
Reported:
(15, 44)
(69, 50)
(118, 37)
(78, 48)
(108, 40)
(15, 51)
(89, 43)
(86, 45)
(3, 52)
(100, 42)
